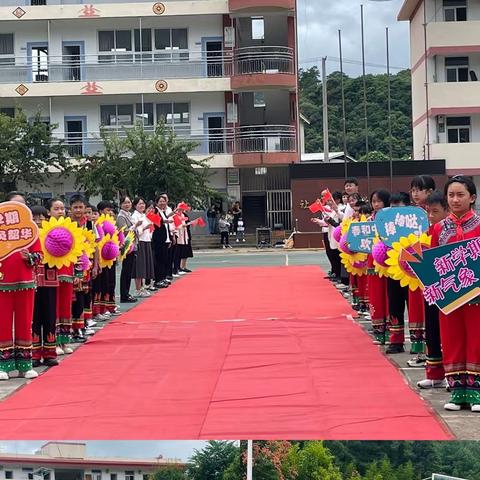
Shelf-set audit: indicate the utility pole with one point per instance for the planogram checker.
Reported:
(326, 148)
(250, 460)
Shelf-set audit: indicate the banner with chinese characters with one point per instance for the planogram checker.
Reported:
(396, 222)
(360, 236)
(450, 274)
(17, 228)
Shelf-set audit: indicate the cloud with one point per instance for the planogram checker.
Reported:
(320, 20)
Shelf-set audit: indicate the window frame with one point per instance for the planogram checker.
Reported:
(457, 68)
(458, 128)
(455, 9)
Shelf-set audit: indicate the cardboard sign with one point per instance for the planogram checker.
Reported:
(396, 222)
(360, 236)
(17, 228)
(450, 274)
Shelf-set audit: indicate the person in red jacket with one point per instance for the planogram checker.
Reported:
(460, 330)
(17, 296)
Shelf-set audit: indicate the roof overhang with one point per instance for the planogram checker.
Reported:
(408, 9)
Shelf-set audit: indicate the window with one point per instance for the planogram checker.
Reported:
(172, 44)
(7, 50)
(456, 69)
(116, 115)
(144, 46)
(38, 2)
(113, 476)
(8, 474)
(144, 113)
(173, 113)
(116, 41)
(129, 475)
(259, 100)
(8, 111)
(258, 28)
(458, 129)
(96, 475)
(455, 10)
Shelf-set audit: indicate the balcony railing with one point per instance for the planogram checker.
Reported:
(145, 65)
(16, 3)
(218, 141)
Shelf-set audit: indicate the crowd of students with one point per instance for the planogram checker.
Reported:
(446, 346)
(44, 309)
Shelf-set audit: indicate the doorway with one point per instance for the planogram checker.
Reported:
(72, 53)
(214, 58)
(216, 141)
(74, 133)
(38, 59)
(254, 211)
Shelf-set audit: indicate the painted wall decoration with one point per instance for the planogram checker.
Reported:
(158, 8)
(19, 12)
(22, 89)
(89, 11)
(161, 86)
(92, 88)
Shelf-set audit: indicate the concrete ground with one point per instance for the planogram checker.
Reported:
(464, 424)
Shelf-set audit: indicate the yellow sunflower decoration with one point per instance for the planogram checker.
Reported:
(109, 250)
(62, 242)
(89, 244)
(107, 222)
(127, 246)
(355, 263)
(404, 251)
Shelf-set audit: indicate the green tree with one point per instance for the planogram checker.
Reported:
(29, 151)
(170, 472)
(146, 163)
(212, 461)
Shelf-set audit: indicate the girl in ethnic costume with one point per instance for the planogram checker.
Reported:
(460, 330)
(17, 297)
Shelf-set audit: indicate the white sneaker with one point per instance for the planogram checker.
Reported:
(427, 383)
(28, 374)
(100, 318)
(453, 407)
(67, 350)
(107, 314)
(243, 240)
(341, 286)
(4, 376)
(182, 273)
(237, 240)
(475, 408)
(229, 246)
(417, 362)
(224, 246)
(116, 313)
(59, 351)
(89, 331)
(175, 275)
(91, 323)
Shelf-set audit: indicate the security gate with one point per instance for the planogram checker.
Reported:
(279, 209)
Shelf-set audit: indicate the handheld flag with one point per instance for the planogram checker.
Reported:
(177, 221)
(326, 196)
(155, 218)
(316, 207)
(200, 222)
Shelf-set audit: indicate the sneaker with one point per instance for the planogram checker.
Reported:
(116, 313)
(89, 331)
(395, 348)
(186, 270)
(169, 278)
(452, 407)
(176, 275)
(90, 323)
(475, 408)
(224, 246)
(50, 362)
(417, 362)
(243, 240)
(4, 376)
(427, 383)
(229, 246)
(181, 272)
(107, 314)
(28, 374)
(237, 240)
(67, 350)
(78, 339)
(101, 318)
(36, 363)
(59, 351)
(341, 286)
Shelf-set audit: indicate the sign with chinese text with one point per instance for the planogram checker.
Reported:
(360, 236)
(450, 274)
(17, 228)
(396, 222)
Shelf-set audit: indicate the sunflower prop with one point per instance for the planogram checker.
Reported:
(109, 250)
(402, 252)
(62, 242)
(127, 246)
(380, 255)
(89, 244)
(355, 263)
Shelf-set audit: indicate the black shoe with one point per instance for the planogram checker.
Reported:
(395, 348)
(186, 270)
(128, 300)
(36, 363)
(78, 339)
(169, 278)
(50, 362)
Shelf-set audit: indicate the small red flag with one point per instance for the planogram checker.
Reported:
(200, 222)
(177, 220)
(155, 218)
(326, 196)
(316, 207)
(183, 206)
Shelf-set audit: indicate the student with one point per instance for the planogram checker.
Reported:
(437, 209)
(351, 188)
(162, 243)
(377, 286)
(421, 187)
(460, 330)
(187, 251)
(45, 310)
(240, 230)
(397, 295)
(17, 297)
(224, 227)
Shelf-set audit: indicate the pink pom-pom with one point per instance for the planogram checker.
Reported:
(108, 228)
(337, 233)
(58, 242)
(380, 253)
(121, 237)
(84, 262)
(343, 246)
(110, 251)
(100, 232)
(361, 264)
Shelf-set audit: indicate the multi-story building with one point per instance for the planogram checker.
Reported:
(69, 461)
(445, 59)
(220, 72)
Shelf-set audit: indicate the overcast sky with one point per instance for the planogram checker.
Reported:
(320, 20)
(135, 449)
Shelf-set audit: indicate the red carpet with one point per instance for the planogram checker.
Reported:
(229, 353)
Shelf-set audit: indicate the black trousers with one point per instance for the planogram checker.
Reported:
(333, 255)
(112, 281)
(224, 240)
(44, 322)
(397, 303)
(432, 331)
(128, 265)
(160, 254)
(78, 307)
(171, 252)
(177, 257)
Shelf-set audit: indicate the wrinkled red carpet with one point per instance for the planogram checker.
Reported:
(263, 353)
